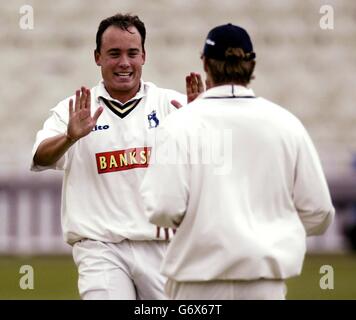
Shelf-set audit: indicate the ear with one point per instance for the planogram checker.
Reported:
(97, 58)
(143, 57)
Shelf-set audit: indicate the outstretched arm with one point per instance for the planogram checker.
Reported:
(80, 124)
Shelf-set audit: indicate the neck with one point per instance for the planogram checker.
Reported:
(231, 83)
(123, 96)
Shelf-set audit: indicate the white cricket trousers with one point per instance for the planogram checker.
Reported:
(128, 270)
(262, 289)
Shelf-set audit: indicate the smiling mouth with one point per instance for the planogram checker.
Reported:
(123, 75)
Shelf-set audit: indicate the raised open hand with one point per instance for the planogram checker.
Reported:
(81, 123)
(194, 87)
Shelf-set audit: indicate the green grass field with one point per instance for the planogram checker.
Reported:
(55, 277)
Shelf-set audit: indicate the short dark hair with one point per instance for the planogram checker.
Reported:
(237, 67)
(122, 21)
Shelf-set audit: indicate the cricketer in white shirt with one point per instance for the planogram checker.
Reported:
(103, 171)
(240, 178)
(100, 138)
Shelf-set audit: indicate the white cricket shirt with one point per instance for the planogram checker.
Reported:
(244, 184)
(103, 171)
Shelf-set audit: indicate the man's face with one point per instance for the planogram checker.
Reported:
(121, 58)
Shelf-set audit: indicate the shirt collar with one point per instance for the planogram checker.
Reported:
(102, 92)
(228, 91)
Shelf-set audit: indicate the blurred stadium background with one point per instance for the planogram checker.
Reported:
(310, 71)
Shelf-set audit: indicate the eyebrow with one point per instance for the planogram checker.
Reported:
(134, 50)
(113, 50)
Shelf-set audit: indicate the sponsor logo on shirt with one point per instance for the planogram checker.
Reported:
(104, 127)
(123, 159)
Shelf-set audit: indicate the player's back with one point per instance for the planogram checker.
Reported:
(242, 153)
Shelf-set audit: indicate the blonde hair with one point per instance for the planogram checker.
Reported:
(237, 67)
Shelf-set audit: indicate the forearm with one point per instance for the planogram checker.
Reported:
(52, 149)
